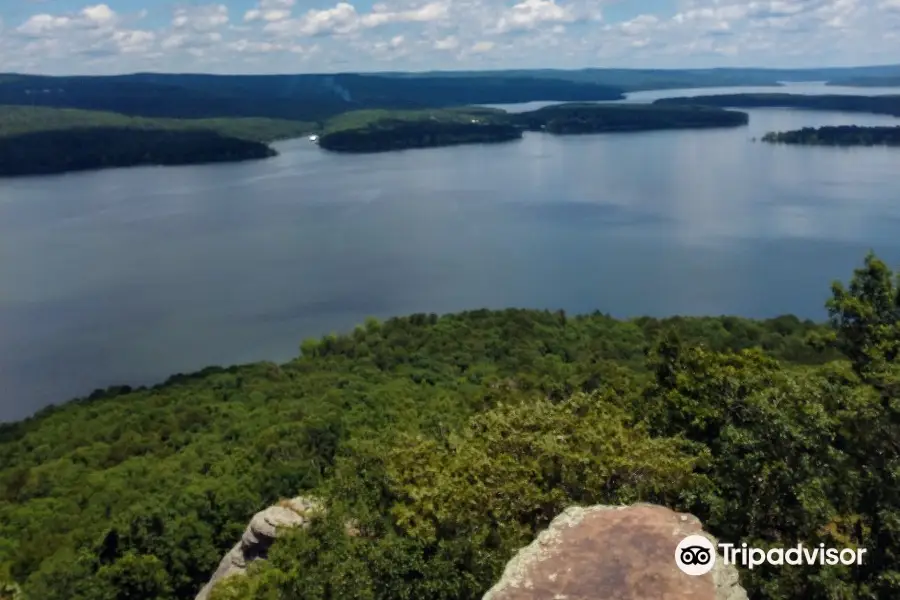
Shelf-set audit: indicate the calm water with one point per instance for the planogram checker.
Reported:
(127, 276)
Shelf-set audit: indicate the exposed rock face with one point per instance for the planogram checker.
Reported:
(613, 553)
(264, 528)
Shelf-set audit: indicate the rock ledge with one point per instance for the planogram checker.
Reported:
(263, 529)
(613, 553)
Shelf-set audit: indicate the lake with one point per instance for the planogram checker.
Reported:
(128, 276)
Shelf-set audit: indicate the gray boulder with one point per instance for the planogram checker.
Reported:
(613, 553)
(264, 528)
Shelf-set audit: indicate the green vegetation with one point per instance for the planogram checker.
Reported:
(293, 97)
(453, 439)
(384, 130)
(843, 135)
(883, 105)
(37, 140)
(59, 151)
(374, 131)
(361, 119)
(399, 134)
(15, 120)
(598, 118)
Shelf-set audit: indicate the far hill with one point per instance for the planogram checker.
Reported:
(295, 97)
(883, 105)
(632, 80)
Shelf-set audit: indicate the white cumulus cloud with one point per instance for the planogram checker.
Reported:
(201, 18)
(530, 14)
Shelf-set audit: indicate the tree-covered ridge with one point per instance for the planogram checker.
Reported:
(78, 149)
(293, 97)
(374, 131)
(597, 118)
(885, 105)
(16, 120)
(399, 134)
(841, 135)
(375, 118)
(451, 439)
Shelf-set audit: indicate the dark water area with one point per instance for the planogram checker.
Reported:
(128, 276)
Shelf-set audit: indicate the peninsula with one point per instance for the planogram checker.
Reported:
(571, 119)
(881, 105)
(81, 149)
(385, 130)
(377, 131)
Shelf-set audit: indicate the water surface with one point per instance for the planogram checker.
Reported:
(127, 276)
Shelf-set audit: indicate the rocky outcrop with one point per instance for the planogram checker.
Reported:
(613, 553)
(263, 529)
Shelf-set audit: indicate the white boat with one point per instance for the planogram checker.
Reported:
(314, 138)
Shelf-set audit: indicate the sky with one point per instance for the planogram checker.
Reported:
(314, 36)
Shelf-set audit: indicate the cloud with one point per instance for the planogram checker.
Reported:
(530, 14)
(270, 10)
(201, 18)
(191, 40)
(447, 43)
(343, 19)
(640, 25)
(277, 35)
(43, 24)
(95, 31)
(100, 13)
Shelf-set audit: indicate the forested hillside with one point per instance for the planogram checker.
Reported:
(16, 120)
(597, 118)
(292, 97)
(452, 439)
(379, 130)
(79, 149)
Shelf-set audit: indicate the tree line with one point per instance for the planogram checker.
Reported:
(841, 135)
(883, 105)
(78, 149)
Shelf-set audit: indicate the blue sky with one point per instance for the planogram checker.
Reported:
(277, 36)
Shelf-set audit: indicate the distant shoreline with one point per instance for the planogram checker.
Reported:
(844, 136)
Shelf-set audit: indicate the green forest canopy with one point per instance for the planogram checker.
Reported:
(453, 439)
(16, 120)
(79, 149)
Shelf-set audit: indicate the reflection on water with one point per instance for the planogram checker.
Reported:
(130, 275)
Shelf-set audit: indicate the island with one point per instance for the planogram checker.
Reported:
(881, 105)
(379, 131)
(840, 135)
(79, 149)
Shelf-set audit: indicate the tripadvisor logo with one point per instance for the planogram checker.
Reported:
(696, 555)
